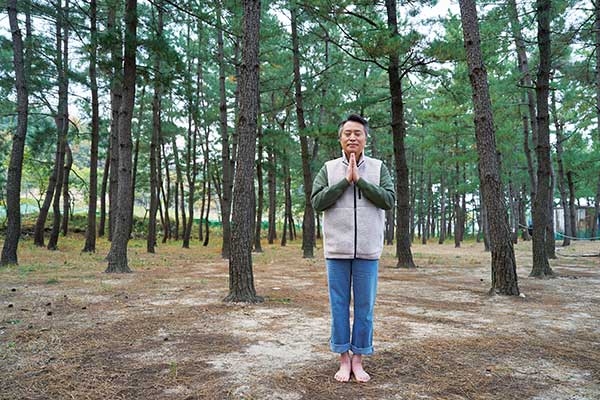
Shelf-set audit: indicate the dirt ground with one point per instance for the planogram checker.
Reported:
(70, 331)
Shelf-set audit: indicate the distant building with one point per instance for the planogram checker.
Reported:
(584, 218)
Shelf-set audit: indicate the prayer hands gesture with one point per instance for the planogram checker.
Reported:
(352, 172)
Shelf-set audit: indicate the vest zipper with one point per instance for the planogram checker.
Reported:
(355, 227)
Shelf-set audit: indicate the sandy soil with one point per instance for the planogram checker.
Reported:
(68, 330)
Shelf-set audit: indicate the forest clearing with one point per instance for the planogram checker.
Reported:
(71, 331)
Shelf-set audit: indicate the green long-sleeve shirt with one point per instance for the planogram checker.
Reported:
(324, 196)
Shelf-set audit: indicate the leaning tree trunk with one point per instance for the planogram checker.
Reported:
(308, 221)
(90, 235)
(117, 258)
(541, 266)
(504, 265)
(62, 63)
(241, 280)
(15, 167)
(403, 252)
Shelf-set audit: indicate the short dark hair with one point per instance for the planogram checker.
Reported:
(355, 118)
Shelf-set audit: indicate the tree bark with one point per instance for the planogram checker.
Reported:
(62, 119)
(90, 234)
(116, 95)
(442, 230)
(66, 196)
(541, 267)
(597, 50)
(403, 252)
(241, 280)
(103, 194)
(308, 221)
(261, 194)
(15, 167)
(522, 219)
(504, 266)
(226, 164)
(154, 141)
(562, 184)
(117, 258)
(166, 193)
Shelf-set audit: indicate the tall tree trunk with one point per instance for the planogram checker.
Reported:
(62, 65)
(562, 184)
(155, 139)
(117, 259)
(541, 267)
(179, 193)
(241, 280)
(288, 199)
(66, 196)
(504, 265)
(90, 234)
(136, 154)
(403, 252)
(550, 242)
(514, 218)
(116, 96)
(308, 221)
(166, 192)
(261, 194)
(227, 170)
(15, 167)
(530, 116)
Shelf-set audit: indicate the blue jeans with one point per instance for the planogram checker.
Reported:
(361, 275)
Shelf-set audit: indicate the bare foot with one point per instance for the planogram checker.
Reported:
(343, 374)
(357, 369)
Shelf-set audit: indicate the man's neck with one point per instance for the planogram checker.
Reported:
(347, 155)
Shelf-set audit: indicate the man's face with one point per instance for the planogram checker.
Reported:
(353, 138)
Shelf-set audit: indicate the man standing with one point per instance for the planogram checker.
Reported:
(353, 191)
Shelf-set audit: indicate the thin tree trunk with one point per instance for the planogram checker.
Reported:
(241, 279)
(15, 168)
(261, 194)
(597, 51)
(90, 235)
(271, 183)
(541, 267)
(522, 219)
(103, 194)
(227, 171)
(308, 221)
(62, 65)
(117, 259)
(166, 193)
(442, 229)
(154, 141)
(572, 210)
(403, 252)
(66, 196)
(504, 266)
(562, 184)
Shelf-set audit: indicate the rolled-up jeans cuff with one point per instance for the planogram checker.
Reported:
(339, 348)
(361, 350)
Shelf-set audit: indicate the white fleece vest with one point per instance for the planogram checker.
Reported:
(353, 227)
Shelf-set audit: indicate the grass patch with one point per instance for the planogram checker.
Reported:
(52, 281)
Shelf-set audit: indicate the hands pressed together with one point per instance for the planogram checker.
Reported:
(352, 172)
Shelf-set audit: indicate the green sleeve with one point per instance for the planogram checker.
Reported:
(383, 196)
(324, 196)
